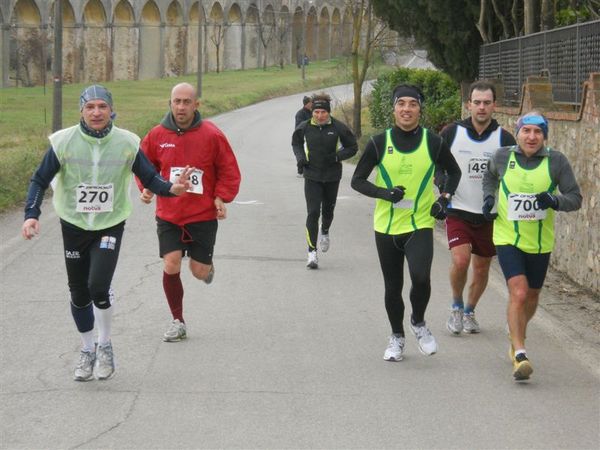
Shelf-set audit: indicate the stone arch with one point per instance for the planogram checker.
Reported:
(196, 13)
(347, 32)
(215, 32)
(336, 33)
(71, 56)
(232, 48)
(125, 37)
(175, 40)
(323, 35)
(298, 39)
(149, 57)
(311, 34)
(269, 29)
(283, 35)
(253, 44)
(27, 44)
(94, 61)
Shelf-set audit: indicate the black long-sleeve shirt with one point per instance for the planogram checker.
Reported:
(50, 166)
(404, 141)
(326, 146)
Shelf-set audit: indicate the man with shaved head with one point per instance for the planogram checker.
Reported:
(189, 226)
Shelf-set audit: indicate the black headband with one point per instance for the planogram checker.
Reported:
(407, 91)
(321, 104)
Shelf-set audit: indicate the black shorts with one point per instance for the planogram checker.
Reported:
(197, 239)
(514, 261)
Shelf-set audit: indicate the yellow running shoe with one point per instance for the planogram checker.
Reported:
(521, 367)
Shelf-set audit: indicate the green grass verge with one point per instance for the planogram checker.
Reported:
(26, 120)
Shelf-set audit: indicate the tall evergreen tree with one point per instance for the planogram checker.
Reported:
(446, 29)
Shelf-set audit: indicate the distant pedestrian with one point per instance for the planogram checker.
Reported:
(405, 211)
(304, 113)
(92, 164)
(320, 144)
(525, 178)
(472, 141)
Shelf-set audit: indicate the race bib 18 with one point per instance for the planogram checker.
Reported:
(195, 179)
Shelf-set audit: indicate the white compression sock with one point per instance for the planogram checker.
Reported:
(104, 324)
(87, 341)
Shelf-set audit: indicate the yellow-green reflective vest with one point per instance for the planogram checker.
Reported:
(530, 236)
(93, 173)
(413, 170)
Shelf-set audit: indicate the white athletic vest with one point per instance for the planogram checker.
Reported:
(472, 157)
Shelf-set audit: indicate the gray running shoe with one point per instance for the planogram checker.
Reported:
(470, 324)
(211, 275)
(105, 362)
(425, 340)
(324, 242)
(176, 332)
(395, 348)
(455, 321)
(85, 367)
(313, 261)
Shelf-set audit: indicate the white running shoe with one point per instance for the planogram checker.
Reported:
(470, 324)
(324, 242)
(395, 348)
(176, 332)
(313, 261)
(105, 362)
(455, 321)
(425, 339)
(85, 367)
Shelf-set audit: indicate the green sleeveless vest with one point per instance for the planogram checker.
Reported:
(523, 230)
(91, 189)
(414, 171)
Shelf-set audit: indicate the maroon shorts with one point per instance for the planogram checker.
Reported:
(479, 236)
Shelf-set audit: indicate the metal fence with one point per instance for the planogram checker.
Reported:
(567, 55)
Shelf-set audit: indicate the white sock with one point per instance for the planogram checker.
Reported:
(87, 341)
(521, 350)
(104, 324)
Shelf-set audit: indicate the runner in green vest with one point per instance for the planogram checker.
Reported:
(524, 178)
(405, 211)
(91, 166)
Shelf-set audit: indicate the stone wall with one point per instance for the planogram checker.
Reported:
(576, 133)
(107, 40)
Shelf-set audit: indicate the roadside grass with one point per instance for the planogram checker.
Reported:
(26, 118)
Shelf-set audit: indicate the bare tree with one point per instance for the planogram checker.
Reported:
(217, 34)
(531, 16)
(362, 13)
(481, 23)
(282, 31)
(266, 32)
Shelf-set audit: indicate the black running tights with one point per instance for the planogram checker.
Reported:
(320, 199)
(417, 247)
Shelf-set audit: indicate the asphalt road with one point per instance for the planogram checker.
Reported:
(277, 356)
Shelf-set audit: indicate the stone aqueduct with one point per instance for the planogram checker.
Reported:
(140, 39)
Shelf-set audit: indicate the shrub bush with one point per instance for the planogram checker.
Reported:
(442, 97)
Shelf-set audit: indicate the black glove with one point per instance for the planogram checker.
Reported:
(546, 200)
(393, 195)
(486, 209)
(300, 164)
(439, 209)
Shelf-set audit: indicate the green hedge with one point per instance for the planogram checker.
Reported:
(442, 97)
